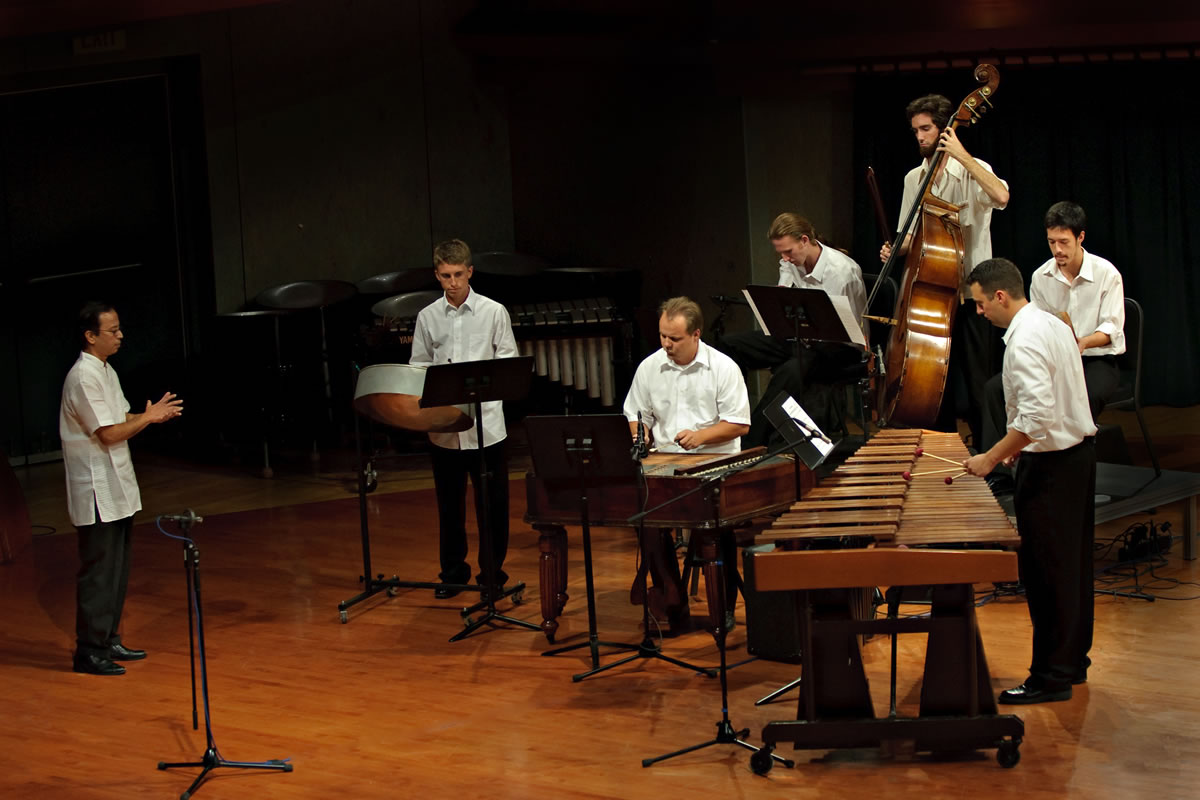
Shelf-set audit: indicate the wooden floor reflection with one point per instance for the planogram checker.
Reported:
(386, 706)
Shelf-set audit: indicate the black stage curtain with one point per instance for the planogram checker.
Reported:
(1117, 138)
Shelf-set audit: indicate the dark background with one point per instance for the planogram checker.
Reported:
(180, 158)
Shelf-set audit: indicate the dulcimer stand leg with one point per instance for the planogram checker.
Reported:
(374, 585)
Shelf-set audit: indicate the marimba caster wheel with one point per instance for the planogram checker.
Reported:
(370, 479)
(467, 621)
(392, 591)
(344, 617)
(517, 597)
(761, 761)
(1008, 754)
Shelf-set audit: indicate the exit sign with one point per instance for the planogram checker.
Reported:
(106, 42)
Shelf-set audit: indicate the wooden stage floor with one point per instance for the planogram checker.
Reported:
(386, 706)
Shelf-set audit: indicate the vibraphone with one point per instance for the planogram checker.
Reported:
(572, 342)
(867, 525)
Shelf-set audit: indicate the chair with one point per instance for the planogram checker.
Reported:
(1128, 395)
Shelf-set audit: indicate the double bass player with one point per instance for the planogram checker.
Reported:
(971, 184)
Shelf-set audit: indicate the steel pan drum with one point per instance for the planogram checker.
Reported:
(391, 394)
(405, 306)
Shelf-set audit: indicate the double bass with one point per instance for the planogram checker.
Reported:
(918, 354)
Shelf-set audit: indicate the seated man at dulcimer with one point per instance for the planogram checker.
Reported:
(1086, 292)
(807, 263)
(685, 398)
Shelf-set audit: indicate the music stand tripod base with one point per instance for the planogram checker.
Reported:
(587, 452)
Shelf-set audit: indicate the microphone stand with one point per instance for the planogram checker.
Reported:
(726, 733)
(212, 758)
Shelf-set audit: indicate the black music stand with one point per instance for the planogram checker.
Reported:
(595, 449)
(476, 383)
(212, 758)
(798, 315)
(804, 316)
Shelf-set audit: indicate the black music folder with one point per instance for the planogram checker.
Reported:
(810, 315)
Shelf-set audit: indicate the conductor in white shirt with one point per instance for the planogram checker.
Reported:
(102, 491)
(463, 325)
(1051, 438)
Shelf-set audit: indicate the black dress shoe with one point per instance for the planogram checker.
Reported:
(119, 652)
(445, 592)
(1025, 694)
(93, 664)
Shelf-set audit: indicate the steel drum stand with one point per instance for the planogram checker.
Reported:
(372, 586)
(211, 759)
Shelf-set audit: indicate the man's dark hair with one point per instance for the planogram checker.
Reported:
(938, 108)
(998, 273)
(1065, 214)
(89, 319)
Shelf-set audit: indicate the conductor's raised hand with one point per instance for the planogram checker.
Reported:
(168, 407)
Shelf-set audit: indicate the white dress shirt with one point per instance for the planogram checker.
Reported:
(698, 395)
(477, 330)
(1044, 391)
(835, 272)
(1095, 300)
(98, 475)
(975, 209)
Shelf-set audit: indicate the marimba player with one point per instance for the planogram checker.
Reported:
(1050, 428)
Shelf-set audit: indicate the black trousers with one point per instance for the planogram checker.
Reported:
(450, 471)
(1100, 374)
(1056, 516)
(806, 377)
(104, 551)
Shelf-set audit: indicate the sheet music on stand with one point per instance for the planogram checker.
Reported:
(789, 312)
(798, 430)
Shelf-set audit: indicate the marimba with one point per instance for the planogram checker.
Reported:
(868, 526)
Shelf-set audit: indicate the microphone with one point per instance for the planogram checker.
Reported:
(813, 433)
(639, 445)
(188, 517)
